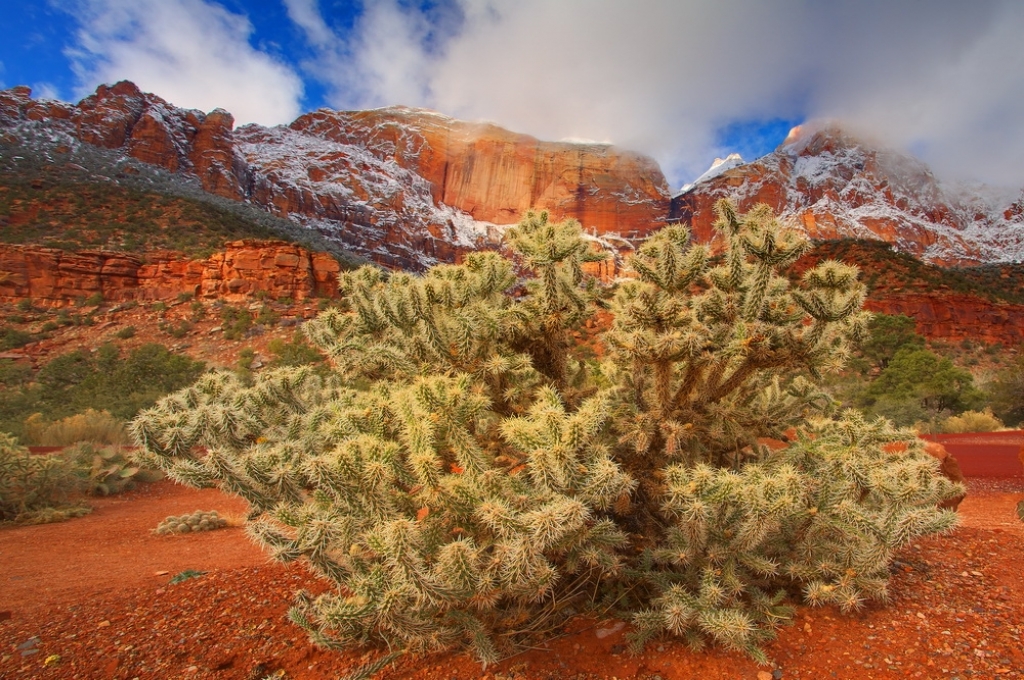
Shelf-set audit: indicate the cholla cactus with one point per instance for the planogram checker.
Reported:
(460, 478)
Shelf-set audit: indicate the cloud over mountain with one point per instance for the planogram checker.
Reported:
(683, 81)
(194, 53)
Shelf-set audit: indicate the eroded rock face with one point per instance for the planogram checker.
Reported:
(407, 187)
(955, 317)
(833, 185)
(49, 276)
(494, 175)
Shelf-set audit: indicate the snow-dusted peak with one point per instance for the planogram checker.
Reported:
(720, 165)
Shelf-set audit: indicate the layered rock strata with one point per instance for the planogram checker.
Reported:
(52, 277)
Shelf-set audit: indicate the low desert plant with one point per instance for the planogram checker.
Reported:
(107, 470)
(972, 421)
(176, 329)
(97, 427)
(235, 321)
(36, 489)
(193, 522)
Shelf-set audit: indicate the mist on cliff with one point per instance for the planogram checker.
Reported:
(682, 81)
(943, 80)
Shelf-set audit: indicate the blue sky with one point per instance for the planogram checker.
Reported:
(682, 80)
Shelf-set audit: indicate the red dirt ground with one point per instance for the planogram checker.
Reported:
(90, 598)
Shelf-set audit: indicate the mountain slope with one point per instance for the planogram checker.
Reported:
(406, 187)
(833, 184)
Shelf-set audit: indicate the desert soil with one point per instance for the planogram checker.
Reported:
(92, 598)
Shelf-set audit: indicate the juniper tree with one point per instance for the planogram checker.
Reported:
(459, 478)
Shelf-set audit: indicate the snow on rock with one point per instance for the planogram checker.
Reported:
(407, 187)
(720, 165)
(832, 184)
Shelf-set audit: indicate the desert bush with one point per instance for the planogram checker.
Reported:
(887, 334)
(972, 421)
(1007, 391)
(176, 329)
(125, 333)
(294, 352)
(13, 338)
(235, 321)
(267, 316)
(104, 380)
(461, 477)
(14, 373)
(923, 383)
(36, 489)
(97, 427)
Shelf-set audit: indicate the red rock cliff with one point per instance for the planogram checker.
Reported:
(832, 185)
(407, 187)
(54, 277)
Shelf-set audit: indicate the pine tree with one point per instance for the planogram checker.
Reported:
(463, 477)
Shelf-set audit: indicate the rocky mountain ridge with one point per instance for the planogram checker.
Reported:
(833, 184)
(405, 187)
(409, 187)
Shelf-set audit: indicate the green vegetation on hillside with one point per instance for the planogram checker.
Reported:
(104, 380)
(887, 269)
(77, 196)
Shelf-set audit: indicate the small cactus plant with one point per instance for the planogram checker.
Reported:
(197, 521)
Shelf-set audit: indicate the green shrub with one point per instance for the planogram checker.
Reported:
(14, 373)
(1007, 391)
(925, 383)
(267, 316)
(461, 477)
(97, 427)
(295, 352)
(198, 311)
(887, 334)
(125, 333)
(105, 380)
(13, 338)
(176, 329)
(235, 321)
(972, 421)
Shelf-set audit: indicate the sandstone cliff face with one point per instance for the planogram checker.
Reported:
(955, 317)
(494, 175)
(48, 276)
(834, 185)
(407, 187)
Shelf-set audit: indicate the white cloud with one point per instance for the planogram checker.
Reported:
(44, 90)
(662, 76)
(306, 15)
(192, 53)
